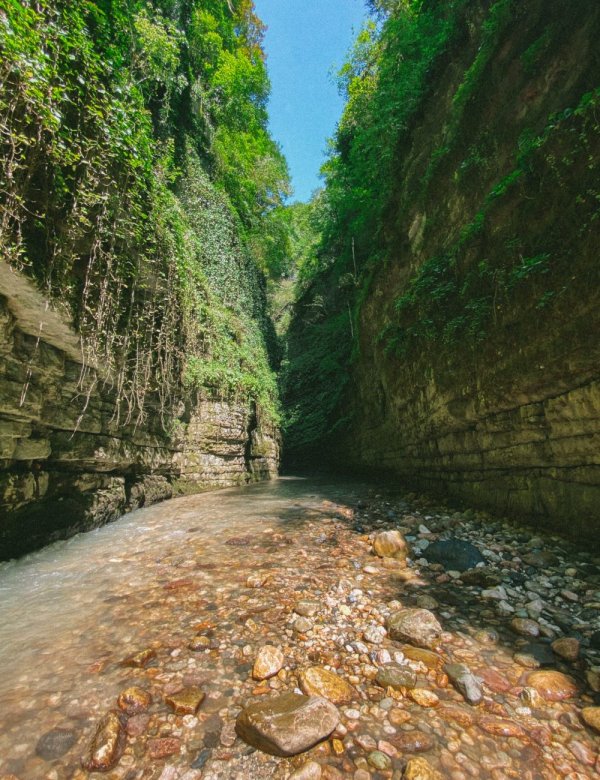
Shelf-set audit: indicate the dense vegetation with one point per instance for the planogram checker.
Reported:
(141, 190)
(416, 83)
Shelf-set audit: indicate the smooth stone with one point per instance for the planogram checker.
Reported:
(309, 771)
(487, 636)
(525, 626)
(465, 682)
(391, 544)
(316, 681)
(199, 643)
(552, 685)
(107, 744)
(541, 559)
(482, 577)
(55, 743)
(426, 602)
(420, 769)
(541, 651)
(141, 659)
(591, 716)
(501, 727)
(416, 626)
(424, 697)
(428, 657)
(287, 724)
(396, 676)
(457, 714)
(413, 741)
(307, 608)
(301, 625)
(566, 647)
(187, 701)
(454, 554)
(379, 760)
(269, 661)
(134, 700)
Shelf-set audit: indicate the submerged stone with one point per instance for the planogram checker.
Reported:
(454, 554)
(55, 743)
(268, 662)
(552, 685)
(317, 681)
(288, 724)
(187, 701)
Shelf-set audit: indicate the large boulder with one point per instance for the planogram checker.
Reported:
(454, 554)
(288, 724)
(418, 627)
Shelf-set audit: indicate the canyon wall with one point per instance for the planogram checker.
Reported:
(476, 369)
(67, 464)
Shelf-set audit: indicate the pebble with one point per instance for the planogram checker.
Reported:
(187, 701)
(55, 743)
(525, 626)
(317, 681)
(567, 648)
(163, 747)
(391, 544)
(374, 634)
(269, 661)
(134, 700)
(379, 760)
(591, 716)
(395, 676)
(465, 682)
(309, 771)
(420, 769)
(552, 685)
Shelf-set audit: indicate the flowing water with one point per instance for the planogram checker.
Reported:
(203, 582)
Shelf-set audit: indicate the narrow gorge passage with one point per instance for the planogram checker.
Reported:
(178, 600)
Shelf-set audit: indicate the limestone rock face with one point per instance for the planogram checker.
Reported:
(67, 465)
(419, 627)
(316, 681)
(288, 724)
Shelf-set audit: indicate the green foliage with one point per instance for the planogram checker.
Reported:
(137, 178)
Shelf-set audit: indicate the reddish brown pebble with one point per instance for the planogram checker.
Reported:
(107, 744)
(161, 748)
(140, 659)
(134, 700)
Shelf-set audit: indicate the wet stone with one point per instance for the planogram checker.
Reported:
(268, 663)
(309, 771)
(417, 626)
(301, 625)
(134, 700)
(307, 608)
(420, 769)
(379, 760)
(413, 741)
(140, 659)
(55, 743)
(396, 676)
(316, 681)
(552, 685)
(391, 544)
(465, 682)
(525, 626)
(567, 648)
(288, 724)
(187, 701)
(428, 657)
(591, 717)
(454, 554)
(163, 747)
(107, 744)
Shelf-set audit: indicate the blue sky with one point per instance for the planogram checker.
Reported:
(306, 43)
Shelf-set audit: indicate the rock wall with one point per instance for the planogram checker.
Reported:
(66, 463)
(506, 415)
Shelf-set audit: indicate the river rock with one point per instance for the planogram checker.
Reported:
(163, 747)
(428, 657)
(417, 626)
(465, 682)
(566, 647)
(379, 760)
(134, 700)
(288, 724)
(268, 663)
(413, 741)
(591, 716)
(391, 544)
(454, 554)
(141, 659)
(396, 676)
(307, 608)
(317, 681)
(424, 697)
(301, 625)
(107, 744)
(501, 727)
(309, 771)
(552, 685)
(187, 701)
(420, 769)
(525, 626)
(481, 576)
(55, 743)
